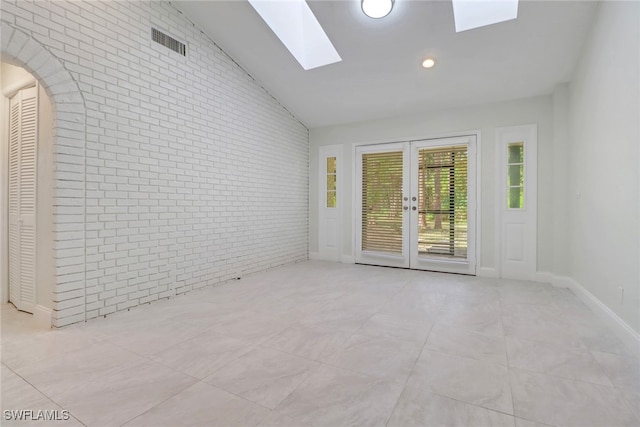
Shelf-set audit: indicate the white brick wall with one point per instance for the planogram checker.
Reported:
(173, 172)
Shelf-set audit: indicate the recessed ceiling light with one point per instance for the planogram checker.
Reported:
(377, 8)
(428, 63)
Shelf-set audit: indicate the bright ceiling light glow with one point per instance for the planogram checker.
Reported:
(377, 8)
(428, 63)
(471, 14)
(298, 29)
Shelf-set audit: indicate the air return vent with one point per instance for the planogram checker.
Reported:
(168, 41)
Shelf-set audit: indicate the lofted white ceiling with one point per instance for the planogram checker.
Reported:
(380, 75)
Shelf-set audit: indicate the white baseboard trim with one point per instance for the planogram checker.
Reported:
(324, 256)
(544, 277)
(622, 330)
(561, 281)
(43, 316)
(619, 327)
(348, 259)
(487, 272)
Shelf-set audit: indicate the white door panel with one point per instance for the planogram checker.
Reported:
(330, 203)
(382, 220)
(517, 204)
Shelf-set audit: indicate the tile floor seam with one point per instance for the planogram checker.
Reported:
(358, 372)
(533, 421)
(109, 340)
(424, 343)
(374, 379)
(265, 345)
(307, 375)
(574, 351)
(283, 399)
(42, 393)
(630, 407)
(504, 340)
(237, 395)
(443, 353)
(473, 404)
(192, 385)
(144, 356)
(139, 364)
(164, 400)
(529, 371)
(636, 358)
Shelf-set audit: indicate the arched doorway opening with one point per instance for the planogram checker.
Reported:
(27, 162)
(60, 254)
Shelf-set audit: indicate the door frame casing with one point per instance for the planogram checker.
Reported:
(7, 94)
(325, 250)
(477, 133)
(449, 265)
(505, 135)
(391, 260)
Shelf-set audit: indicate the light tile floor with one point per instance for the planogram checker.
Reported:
(323, 344)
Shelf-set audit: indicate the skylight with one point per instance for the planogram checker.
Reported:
(298, 29)
(470, 14)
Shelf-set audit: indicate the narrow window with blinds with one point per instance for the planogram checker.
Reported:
(515, 175)
(331, 182)
(442, 201)
(382, 176)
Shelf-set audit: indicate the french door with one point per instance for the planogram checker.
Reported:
(415, 204)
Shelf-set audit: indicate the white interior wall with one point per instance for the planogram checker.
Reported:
(604, 218)
(560, 212)
(484, 118)
(45, 200)
(13, 77)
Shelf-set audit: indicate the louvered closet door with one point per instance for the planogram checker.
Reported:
(23, 132)
(416, 205)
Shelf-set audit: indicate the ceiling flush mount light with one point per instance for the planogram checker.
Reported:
(428, 63)
(377, 8)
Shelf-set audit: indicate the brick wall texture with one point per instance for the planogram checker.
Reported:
(172, 172)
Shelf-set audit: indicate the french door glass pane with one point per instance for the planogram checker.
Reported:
(442, 202)
(515, 176)
(331, 182)
(516, 153)
(382, 202)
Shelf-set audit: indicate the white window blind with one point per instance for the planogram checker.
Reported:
(382, 177)
(442, 201)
